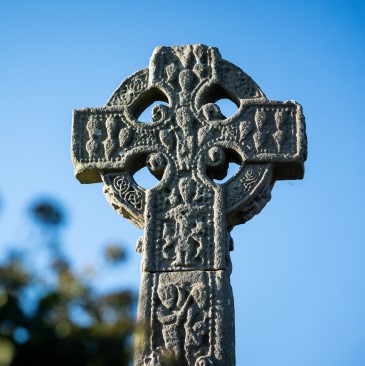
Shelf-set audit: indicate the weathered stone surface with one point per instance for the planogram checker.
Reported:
(190, 318)
(187, 217)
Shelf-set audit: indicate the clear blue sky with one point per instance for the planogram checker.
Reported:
(299, 266)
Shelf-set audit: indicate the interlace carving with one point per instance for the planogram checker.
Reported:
(186, 300)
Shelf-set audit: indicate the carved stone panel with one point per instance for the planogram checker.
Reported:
(125, 196)
(179, 234)
(188, 317)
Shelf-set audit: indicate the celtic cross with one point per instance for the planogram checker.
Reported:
(185, 297)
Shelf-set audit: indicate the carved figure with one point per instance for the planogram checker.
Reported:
(196, 324)
(94, 132)
(111, 142)
(171, 319)
(188, 216)
(169, 239)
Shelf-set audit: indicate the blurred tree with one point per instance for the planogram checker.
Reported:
(55, 316)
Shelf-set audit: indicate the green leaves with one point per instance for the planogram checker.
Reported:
(54, 315)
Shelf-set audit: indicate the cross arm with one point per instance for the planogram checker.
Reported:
(266, 131)
(276, 134)
(105, 139)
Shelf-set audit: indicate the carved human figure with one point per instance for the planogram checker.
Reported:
(111, 142)
(188, 217)
(197, 323)
(94, 133)
(185, 142)
(279, 135)
(170, 317)
(169, 241)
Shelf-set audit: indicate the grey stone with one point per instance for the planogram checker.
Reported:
(186, 301)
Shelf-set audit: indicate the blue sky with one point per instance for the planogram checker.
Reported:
(299, 273)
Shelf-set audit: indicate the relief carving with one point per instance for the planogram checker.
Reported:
(93, 144)
(111, 142)
(184, 318)
(187, 226)
(125, 137)
(145, 137)
(125, 196)
(281, 116)
(167, 139)
(128, 192)
(260, 136)
(131, 90)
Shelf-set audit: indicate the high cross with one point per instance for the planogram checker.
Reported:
(185, 298)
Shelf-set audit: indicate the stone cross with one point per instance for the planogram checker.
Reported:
(185, 297)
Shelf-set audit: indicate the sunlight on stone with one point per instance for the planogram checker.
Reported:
(186, 266)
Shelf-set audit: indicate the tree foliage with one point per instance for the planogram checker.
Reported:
(55, 316)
